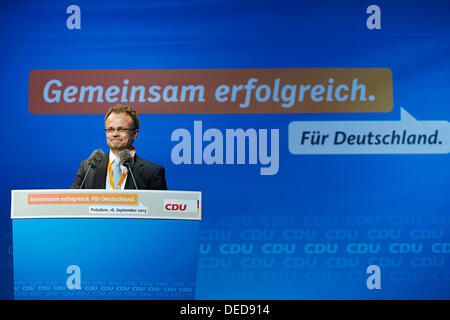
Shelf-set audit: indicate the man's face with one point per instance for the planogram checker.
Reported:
(120, 139)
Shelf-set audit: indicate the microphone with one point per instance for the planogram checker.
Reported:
(93, 161)
(127, 161)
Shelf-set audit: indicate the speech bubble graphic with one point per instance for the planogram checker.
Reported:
(407, 136)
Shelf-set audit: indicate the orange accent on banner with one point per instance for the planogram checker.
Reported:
(212, 91)
(82, 198)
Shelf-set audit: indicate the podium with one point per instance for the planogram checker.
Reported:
(105, 244)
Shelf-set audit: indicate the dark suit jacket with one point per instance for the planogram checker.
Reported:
(148, 175)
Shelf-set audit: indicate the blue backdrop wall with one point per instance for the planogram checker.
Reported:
(312, 229)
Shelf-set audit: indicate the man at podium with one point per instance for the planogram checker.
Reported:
(122, 168)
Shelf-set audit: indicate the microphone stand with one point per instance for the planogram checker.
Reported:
(85, 176)
(132, 176)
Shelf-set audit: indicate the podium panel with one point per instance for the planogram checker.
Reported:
(74, 250)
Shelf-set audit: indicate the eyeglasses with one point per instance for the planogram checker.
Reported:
(119, 130)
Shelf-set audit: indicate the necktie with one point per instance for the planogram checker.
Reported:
(117, 172)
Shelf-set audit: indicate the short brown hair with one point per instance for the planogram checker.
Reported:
(125, 109)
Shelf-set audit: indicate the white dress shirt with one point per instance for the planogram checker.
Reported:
(112, 156)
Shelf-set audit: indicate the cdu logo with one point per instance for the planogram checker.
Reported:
(181, 206)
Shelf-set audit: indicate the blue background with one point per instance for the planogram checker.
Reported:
(315, 194)
(117, 258)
